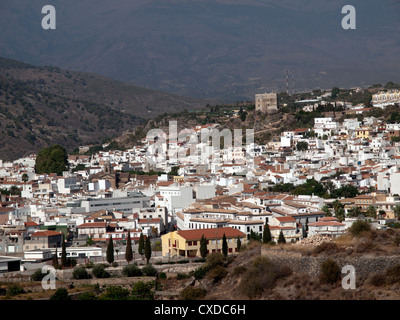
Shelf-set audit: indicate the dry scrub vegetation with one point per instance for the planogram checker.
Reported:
(252, 276)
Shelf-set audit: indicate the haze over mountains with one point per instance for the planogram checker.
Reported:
(219, 49)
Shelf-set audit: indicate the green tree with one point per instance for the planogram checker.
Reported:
(60, 294)
(89, 241)
(141, 244)
(147, 250)
(224, 246)
(354, 211)
(358, 227)
(302, 146)
(64, 261)
(25, 177)
(266, 234)
(55, 260)
(281, 238)
(238, 244)
(53, 159)
(329, 271)
(110, 251)
(203, 247)
(128, 250)
(327, 211)
(335, 92)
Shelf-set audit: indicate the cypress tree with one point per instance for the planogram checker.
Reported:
(141, 244)
(203, 247)
(63, 253)
(238, 244)
(128, 250)
(267, 234)
(110, 251)
(55, 260)
(281, 238)
(224, 246)
(147, 250)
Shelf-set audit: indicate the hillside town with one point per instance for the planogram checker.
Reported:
(352, 167)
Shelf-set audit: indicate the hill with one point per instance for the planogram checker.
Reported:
(124, 97)
(33, 118)
(294, 271)
(210, 48)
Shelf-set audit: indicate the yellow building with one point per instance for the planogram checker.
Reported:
(363, 133)
(186, 243)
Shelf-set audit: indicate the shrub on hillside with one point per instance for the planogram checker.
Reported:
(38, 275)
(217, 273)
(358, 227)
(329, 271)
(60, 294)
(214, 259)
(80, 273)
(393, 274)
(132, 271)
(260, 276)
(193, 293)
(149, 270)
(326, 247)
(99, 271)
(199, 273)
(377, 279)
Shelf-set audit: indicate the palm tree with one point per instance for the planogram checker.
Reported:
(354, 211)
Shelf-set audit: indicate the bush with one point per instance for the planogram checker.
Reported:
(132, 271)
(143, 291)
(115, 293)
(358, 227)
(217, 274)
(149, 270)
(162, 275)
(377, 279)
(80, 273)
(199, 273)
(214, 259)
(326, 247)
(181, 276)
(260, 276)
(15, 290)
(99, 271)
(393, 274)
(38, 275)
(192, 293)
(87, 296)
(329, 271)
(239, 270)
(60, 294)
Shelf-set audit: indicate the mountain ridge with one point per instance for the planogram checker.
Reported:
(226, 50)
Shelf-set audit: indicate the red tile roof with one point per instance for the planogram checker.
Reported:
(46, 233)
(212, 233)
